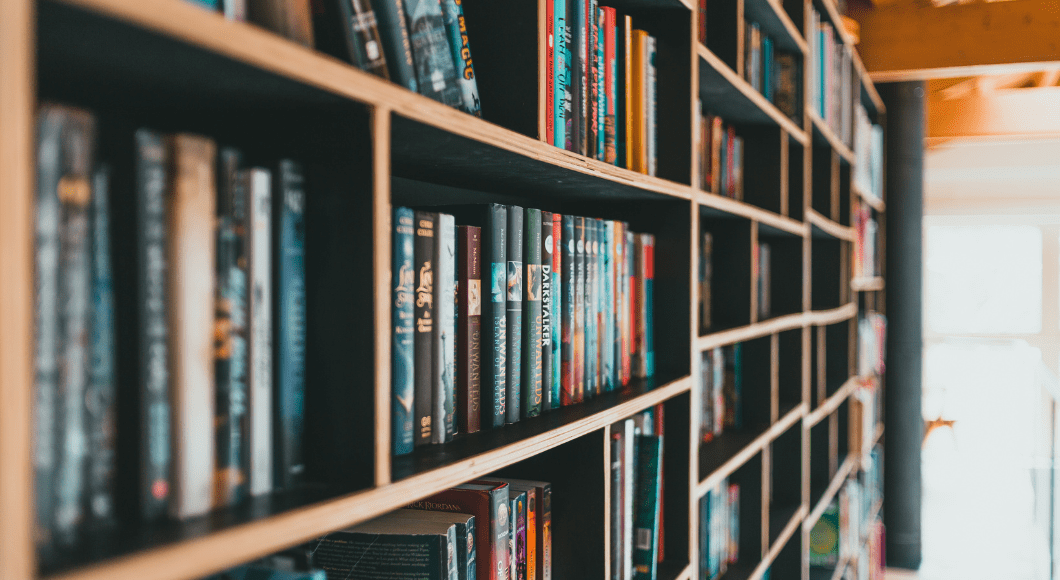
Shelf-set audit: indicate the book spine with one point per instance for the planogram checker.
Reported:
(561, 58)
(617, 262)
(592, 87)
(547, 311)
(496, 316)
(639, 102)
(644, 363)
(257, 183)
(616, 505)
(651, 129)
(568, 390)
(598, 301)
(607, 345)
(646, 525)
(630, 306)
(546, 532)
(629, 127)
(629, 487)
(191, 259)
(589, 302)
(520, 537)
(423, 252)
(501, 517)
(576, 135)
(601, 85)
(465, 70)
(471, 557)
(289, 311)
(514, 304)
(610, 83)
(550, 71)
(100, 399)
(235, 10)
(292, 20)
(513, 527)
(579, 309)
(532, 507)
(363, 42)
(152, 152)
(402, 316)
(469, 328)
(230, 334)
(436, 72)
(443, 370)
(73, 191)
(397, 47)
(532, 364)
(557, 310)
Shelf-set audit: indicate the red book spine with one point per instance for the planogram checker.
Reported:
(610, 87)
(550, 72)
(469, 324)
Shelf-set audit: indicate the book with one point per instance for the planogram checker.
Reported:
(436, 74)
(101, 391)
(646, 518)
(514, 302)
(608, 376)
(289, 312)
(557, 309)
(190, 254)
(706, 249)
(347, 29)
(568, 324)
(628, 79)
(258, 572)
(424, 255)
(618, 294)
(629, 487)
(291, 19)
(62, 283)
(466, 552)
(644, 362)
(258, 185)
(389, 547)
(825, 538)
(547, 310)
(550, 71)
(561, 71)
(532, 393)
(231, 333)
(517, 533)
(592, 354)
(453, 12)
(234, 9)
(488, 502)
(539, 527)
(639, 102)
(651, 130)
(764, 281)
(631, 305)
(616, 467)
(444, 332)
(402, 374)
(600, 105)
(397, 47)
(576, 12)
(469, 329)
(610, 86)
(579, 358)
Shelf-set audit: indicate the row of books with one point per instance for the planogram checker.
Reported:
(868, 154)
(637, 539)
(720, 159)
(164, 267)
(762, 267)
(600, 98)
(872, 344)
(844, 526)
(720, 384)
(866, 242)
(773, 73)
(719, 530)
(517, 313)
(866, 404)
(421, 45)
(830, 76)
(706, 275)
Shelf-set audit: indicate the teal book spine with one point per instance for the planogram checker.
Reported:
(601, 86)
(532, 365)
(607, 351)
(453, 12)
(568, 323)
(401, 351)
(561, 68)
(436, 73)
(646, 506)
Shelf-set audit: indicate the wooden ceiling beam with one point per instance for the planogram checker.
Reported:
(1011, 113)
(917, 40)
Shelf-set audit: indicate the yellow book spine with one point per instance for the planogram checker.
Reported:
(639, 104)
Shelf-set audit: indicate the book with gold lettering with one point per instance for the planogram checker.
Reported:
(423, 296)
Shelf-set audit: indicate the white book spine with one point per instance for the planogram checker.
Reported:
(258, 186)
(627, 499)
(445, 330)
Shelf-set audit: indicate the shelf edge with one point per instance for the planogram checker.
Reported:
(833, 140)
(829, 227)
(873, 284)
(789, 530)
(751, 331)
(737, 461)
(832, 403)
(746, 210)
(833, 488)
(826, 317)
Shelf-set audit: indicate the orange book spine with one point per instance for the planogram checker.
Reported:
(639, 103)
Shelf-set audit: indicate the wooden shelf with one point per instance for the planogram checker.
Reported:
(826, 317)
(721, 205)
(749, 450)
(723, 92)
(833, 488)
(824, 135)
(789, 530)
(866, 284)
(774, 21)
(829, 227)
(831, 404)
(873, 201)
(750, 332)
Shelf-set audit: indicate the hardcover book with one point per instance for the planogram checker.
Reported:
(469, 328)
(546, 311)
(397, 47)
(617, 491)
(556, 309)
(592, 86)
(517, 557)
(576, 10)
(289, 312)
(568, 310)
(230, 334)
(532, 331)
(424, 255)
(515, 314)
(579, 309)
(258, 185)
(191, 253)
(639, 102)
(538, 527)
(651, 130)
(291, 19)
(347, 30)
(436, 74)
(453, 12)
(630, 306)
(444, 332)
(592, 359)
(610, 86)
(402, 549)
(488, 502)
(601, 86)
(561, 71)
(402, 343)
(646, 518)
(644, 362)
(608, 375)
(465, 535)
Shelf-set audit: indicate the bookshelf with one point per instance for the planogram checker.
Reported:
(172, 64)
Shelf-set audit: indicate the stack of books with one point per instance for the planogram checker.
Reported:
(720, 388)
(720, 160)
(719, 530)
(636, 496)
(164, 270)
(601, 75)
(515, 314)
(421, 45)
(830, 76)
(773, 73)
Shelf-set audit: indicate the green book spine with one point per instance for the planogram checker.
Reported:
(646, 506)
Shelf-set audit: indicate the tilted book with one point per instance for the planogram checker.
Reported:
(469, 329)
(291, 19)
(397, 47)
(258, 184)
(514, 301)
(436, 73)
(532, 331)
(402, 323)
(453, 12)
(424, 266)
(348, 30)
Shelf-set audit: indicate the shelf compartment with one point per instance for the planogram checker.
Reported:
(749, 479)
(785, 482)
(796, 179)
(840, 364)
(788, 562)
(823, 192)
(729, 290)
(719, 206)
(774, 21)
(733, 449)
(763, 145)
(828, 268)
(783, 275)
(820, 460)
(790, 367)
(725, 93)
(824, 136)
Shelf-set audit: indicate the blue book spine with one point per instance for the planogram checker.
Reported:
(397, 47)
(401, 374)
(436, 72)
(514, 303)
(607, 352)
(444, 331)
(561, 58)
(453, 12)
(646, 506)
(288, 459)
(601, 87)
(767, 68)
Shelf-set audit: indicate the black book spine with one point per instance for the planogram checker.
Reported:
(155, 428)
(397, 47)
(100, 401)
(532, 389)
(546, 312)
(231, 350)
(568, 326)
(362, 37)
(423, 264)
(436, 72)
(514, 304)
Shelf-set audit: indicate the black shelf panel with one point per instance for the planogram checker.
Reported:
(769, 21)
(725, 446)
